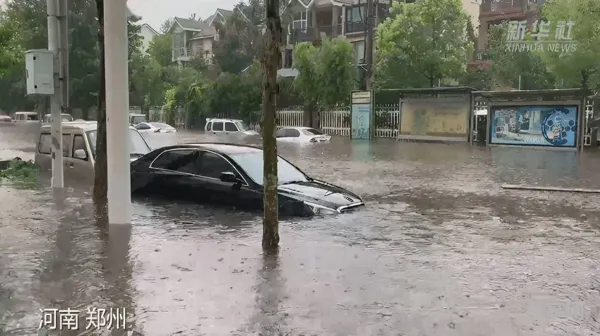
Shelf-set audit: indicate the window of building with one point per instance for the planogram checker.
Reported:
(359, 50)
(355, 14)
(300, 20)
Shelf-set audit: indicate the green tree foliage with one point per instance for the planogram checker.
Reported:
(240, 42)
(147, 81)
(580, 68)
(327, 73)
(160, 49)
(510, 68)
(27, 23)
(422, 43)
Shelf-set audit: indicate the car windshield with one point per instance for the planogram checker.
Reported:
(160, 125)
(252, 164)
(138, 119)
(137, 144)
(311, 131)
(242, 126)
(66, 117)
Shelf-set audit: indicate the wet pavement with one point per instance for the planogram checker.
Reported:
(440, 249)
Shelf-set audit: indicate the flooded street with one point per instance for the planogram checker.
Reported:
(440, 249)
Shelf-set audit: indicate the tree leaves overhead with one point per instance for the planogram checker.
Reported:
(582, 67)
(326, 74)
(240, 43)
(422, 43)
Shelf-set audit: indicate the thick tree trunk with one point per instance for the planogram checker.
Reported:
(271, 61)
(100, 178)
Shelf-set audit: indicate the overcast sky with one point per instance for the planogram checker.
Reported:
(155, 12)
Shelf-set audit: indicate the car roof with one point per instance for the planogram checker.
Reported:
(223, 148)
(91, 125)
(222, 119)
(297, 128)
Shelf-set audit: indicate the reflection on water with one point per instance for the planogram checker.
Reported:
(440, 249)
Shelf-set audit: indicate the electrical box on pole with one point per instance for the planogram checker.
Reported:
(39, 65)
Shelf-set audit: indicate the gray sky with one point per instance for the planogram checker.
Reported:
(155, 12)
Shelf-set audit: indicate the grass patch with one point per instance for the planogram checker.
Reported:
(17, 171)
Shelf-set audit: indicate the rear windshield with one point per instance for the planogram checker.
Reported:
(311, 131)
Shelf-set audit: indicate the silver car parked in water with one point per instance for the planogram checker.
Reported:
(79, 148)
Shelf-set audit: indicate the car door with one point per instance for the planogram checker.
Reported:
(169, 174)
(83, 168)
(217, 127)
(210, 167)
(231, 128)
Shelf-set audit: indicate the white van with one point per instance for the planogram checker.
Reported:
(26, 117)
(79, 148)
(63, 116)
(136, 118)
(218, 126)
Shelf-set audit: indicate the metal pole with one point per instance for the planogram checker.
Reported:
(64, 44)
(117, 124)
(369, 46)
(55, 99)
(519, 82)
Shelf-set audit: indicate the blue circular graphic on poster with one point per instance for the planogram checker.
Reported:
(555, 126)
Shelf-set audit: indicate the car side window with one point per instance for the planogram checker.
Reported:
(212, 165)
(281, 133)
(217, 126)
(66, 145)
(292, 133)
(230, 127)
(183, 160)
(45, 144)
(209, 126)
(79, 143)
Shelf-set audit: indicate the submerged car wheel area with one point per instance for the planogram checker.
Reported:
(233, 174)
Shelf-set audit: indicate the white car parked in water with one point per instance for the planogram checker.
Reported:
(154, 127)
(301, 135)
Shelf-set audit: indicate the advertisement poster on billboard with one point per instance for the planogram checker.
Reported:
(361, 113)
(553, 126)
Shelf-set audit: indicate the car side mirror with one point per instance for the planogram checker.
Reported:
(80, 154)
(228, 177)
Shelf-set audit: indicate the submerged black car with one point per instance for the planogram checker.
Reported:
(233, 174)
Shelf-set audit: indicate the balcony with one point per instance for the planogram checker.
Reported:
(353, 27)
(503, 9)
(183, 52)
(311, 34)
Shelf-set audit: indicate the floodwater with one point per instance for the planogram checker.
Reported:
(440, 249)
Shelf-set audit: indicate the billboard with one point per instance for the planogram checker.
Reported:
(553, 126)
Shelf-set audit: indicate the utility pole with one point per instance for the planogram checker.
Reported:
(271, 60)
(64, 53)
(369, 45)
(55, 99)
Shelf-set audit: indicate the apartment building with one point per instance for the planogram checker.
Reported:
(195, 38)
(312, 20)
(493, 12)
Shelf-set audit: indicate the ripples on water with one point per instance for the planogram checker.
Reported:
(439, 250)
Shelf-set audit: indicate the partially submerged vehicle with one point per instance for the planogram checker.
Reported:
(222, 126)
(233, 174)
(6, 120)
(136, 118)
(154, 127)
(79, 147)
(26, 117)
(63, 116)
